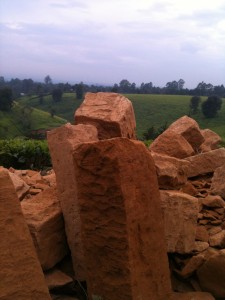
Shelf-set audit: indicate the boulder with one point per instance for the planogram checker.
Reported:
(189, 129)
(171, 171)
(56, 279)
(211, 275)
(211, 141)
(44, 217)
(180, 212)
(218, 182)
(172, 144)
(218, 239)
(191, 296)
(20, 185)
(213, 201)
(21, 276)
(122, 225)
(202, 234)
(112, 114)
(192, 265)
(204, 163)
(200, 246)
(62, 142)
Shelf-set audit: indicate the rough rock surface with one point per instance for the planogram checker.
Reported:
(125, 253)
(112, 114)
(206, 162)
(172, 144)
(61, 143)
(218, 182)
(191, 296)
(21, 276)
(56, 279)
(189, 129)
(211, 142)
(21, 187)
(211, 274)
(180, 212)
(171, 171)
(44, 217)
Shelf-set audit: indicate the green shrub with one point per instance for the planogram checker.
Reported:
(24, 154)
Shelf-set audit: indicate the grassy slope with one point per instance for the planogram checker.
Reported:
(150, 110)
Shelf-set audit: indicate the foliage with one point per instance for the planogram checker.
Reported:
(152, 133)
(194, 104)
(24, 154)
(57, 95)
(79, 88)
(211, 106)
(6, 99)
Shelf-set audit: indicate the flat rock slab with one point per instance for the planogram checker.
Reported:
(21, 276)
(122, 227)
(112, 114)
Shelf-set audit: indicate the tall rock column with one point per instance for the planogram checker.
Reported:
(121, 221)
(21, 276)
(61, 143)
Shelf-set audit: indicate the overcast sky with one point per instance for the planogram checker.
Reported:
(105, 41)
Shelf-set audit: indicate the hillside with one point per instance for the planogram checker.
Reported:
(150, 110)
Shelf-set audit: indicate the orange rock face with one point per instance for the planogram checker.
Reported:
(21, 276)
(44, 217)
(112, 114)
(125, 252)
(61, 143)
(211, 142)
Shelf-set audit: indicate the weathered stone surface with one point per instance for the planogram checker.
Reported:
(189, 129)
(61, 143)
(206, 162)
(180, 213)
(21, 276)
(200, 246)
(172, 144)
(202, 234)
(211, 275)
(112, 114)
(170, 170)
(213, 201)
(211, 142)
(218, 239)
(192, 265)
(189, 189)
(191, 296)
(21, 187)
(218, 182)
(44, 217)
(55, 279)
(121, 219)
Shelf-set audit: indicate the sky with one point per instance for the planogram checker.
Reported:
(103, 42)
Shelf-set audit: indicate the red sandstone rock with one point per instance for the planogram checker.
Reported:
(20, 185)
(192, 265)
(171, 172)
(213, 201)
(62, 142)
(191, 296)
(21, 276)
(172, 144)
(218, 239)
(43, 215)
(218, 182)
(211, 274)
(202, 234)
(207, 162)
(189, 129)
(55, 279)
(180, 213)
(211, 142)
(112, 114)
(122, 227)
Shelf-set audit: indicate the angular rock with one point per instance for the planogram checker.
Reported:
(211, 142)
(207, 162)
(44, 217)
(192, 265)
(180, 212)
(170, 171)
(56, 279)
(20, 185)
(211, 275)
(21, 276)
(172, 144)
(112, 114)
(191, 296)
(213, 201)
(218, 182)
(122, 225)
(189, 189)
(202, 234)
(200, 246)
(218, 239)
(62, 142)
(189, 129)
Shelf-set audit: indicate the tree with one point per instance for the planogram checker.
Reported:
(125, 86)
(211, 106)
(194, 104)
(47, 80)
(79, 88)
(6, 99)
(57, 95)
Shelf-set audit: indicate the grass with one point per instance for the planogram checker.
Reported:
(150, 110)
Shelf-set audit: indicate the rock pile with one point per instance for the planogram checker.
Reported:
(127, 221)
